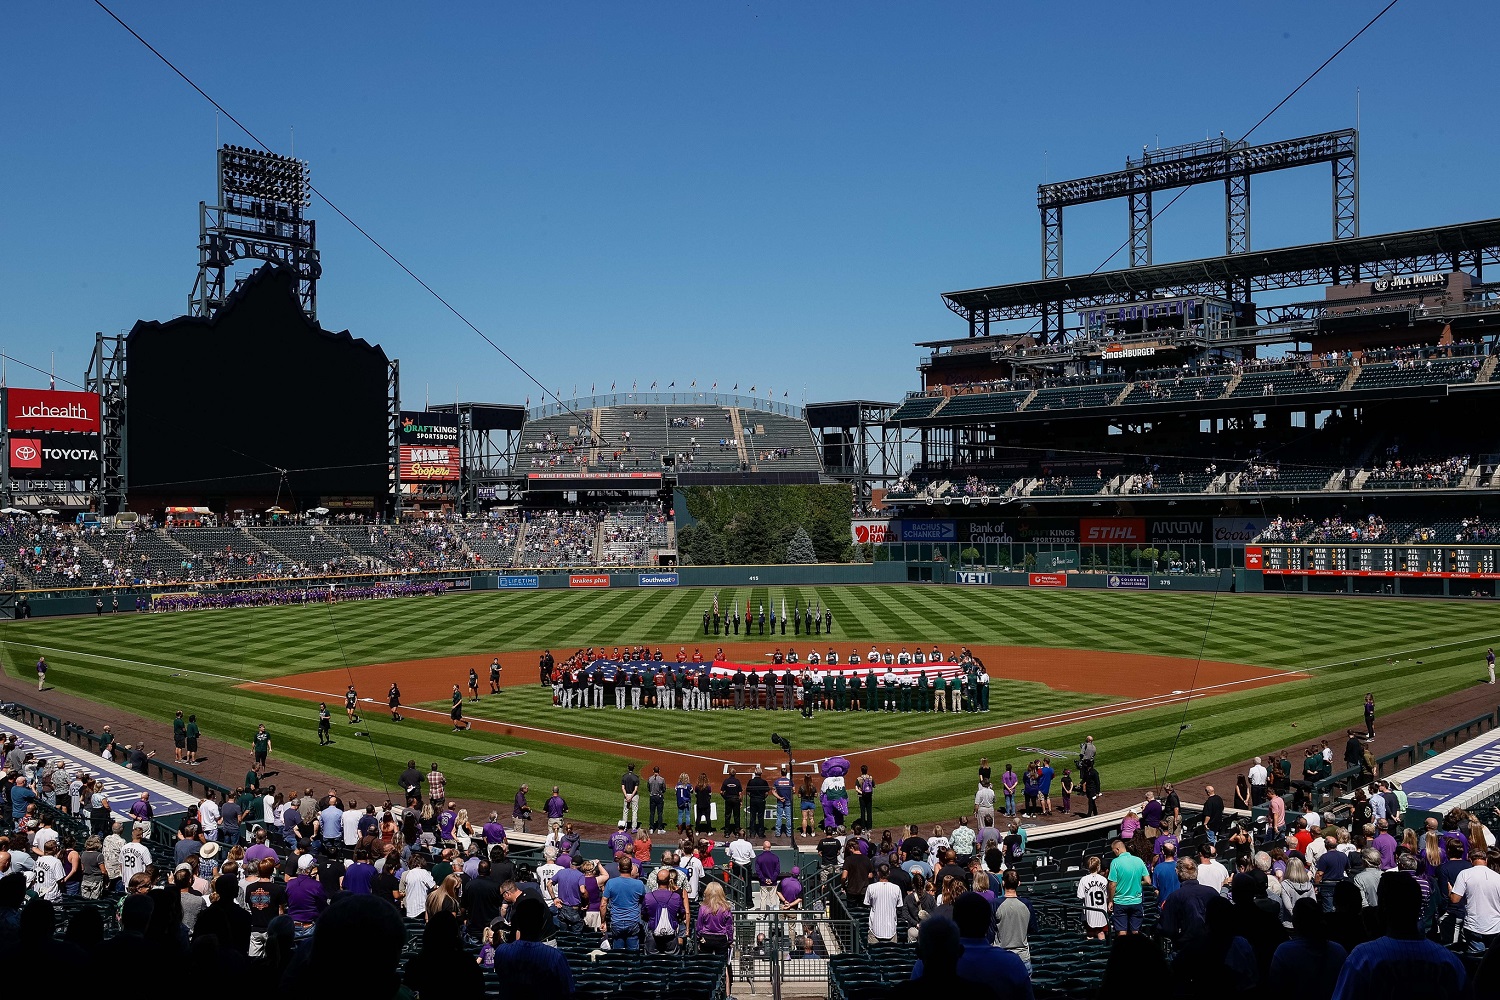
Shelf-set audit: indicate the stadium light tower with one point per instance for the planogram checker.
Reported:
(260, 214)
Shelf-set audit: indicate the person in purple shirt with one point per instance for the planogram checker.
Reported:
(569, 899)
(494, 833)
(790, 890)
(1008, 782)
(358, 876)
(1385, 844)
(555, 808)
(1151, 812)
(447, 819)
(767, 868)
(663, 901)
(140, 809)
(305, 899)
(620, 842)
(520, 811)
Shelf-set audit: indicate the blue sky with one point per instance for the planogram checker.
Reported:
(753, 193)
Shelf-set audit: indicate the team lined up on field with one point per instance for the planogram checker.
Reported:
(637, 677)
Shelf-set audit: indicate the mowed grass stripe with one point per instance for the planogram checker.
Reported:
(1276, 631)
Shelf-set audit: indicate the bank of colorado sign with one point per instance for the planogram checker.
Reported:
(54, 456)
(51, 410)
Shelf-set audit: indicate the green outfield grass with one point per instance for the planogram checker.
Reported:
(150, 664)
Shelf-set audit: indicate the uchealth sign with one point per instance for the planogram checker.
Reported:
(54, 456)
(874, 532)
(589, 580)
(51, 410)
(1112, 530)
(1047, 580)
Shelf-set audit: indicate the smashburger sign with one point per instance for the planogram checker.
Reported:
(54, 456)
(51, 410)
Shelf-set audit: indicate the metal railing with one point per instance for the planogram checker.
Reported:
(772, 945)
(1335, 785)
(93, 743)
(690, 398)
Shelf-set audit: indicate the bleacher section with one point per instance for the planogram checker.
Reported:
(1075, 397)
(494, 541)
(1431, 372)
(984, 404)
(915, 407)
(1286, 382)
(777, 442)
(559, 538)
(700, 438)
(560, 442)
(629, 534)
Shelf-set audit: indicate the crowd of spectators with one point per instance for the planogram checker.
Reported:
(1439, 473)
(1371, 528)
(306, 595)
(559, 538)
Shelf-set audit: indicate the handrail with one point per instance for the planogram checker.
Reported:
(161, 770)
(605, 400)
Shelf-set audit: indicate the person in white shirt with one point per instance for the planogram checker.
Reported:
(352, 816)
(1093, 891)
(874, 656)
(48, 876)
(903, 657)
(1210, 872)
(545, 871)
(695, 870)
(883, 899)
(134, 857)
(1477, 888)
(208, 816)
(887, 684)
(741, 856)
(414, 887)
(1257, 778)
(39, 840)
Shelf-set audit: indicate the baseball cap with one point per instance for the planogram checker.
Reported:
(184, 867)
(621, 824)
(306, 863)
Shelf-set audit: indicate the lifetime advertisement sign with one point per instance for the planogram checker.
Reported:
(589, 580)
(51, 410)
(428, 428)
(54, 456)
(1112, 530)
(523, 582)
(429, 465)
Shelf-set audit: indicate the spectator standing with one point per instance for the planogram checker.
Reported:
(984, 802)
(1013, 921)
(555, 808)
(656, 792)
(630, 807)
(1093, 893)
(1127, 875)
(884, 899)
(1477, 889)
(1213, 814)
(1401, 962)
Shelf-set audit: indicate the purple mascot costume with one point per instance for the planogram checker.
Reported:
(834, 795)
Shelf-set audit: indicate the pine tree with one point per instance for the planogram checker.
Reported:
(800, 548)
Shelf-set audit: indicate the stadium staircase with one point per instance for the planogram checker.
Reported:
(1023, 403)
(596, 421)
(1334, 482)
(1351, 378)
(1231, 385)
(1358, 482)
(1487, 370)
(739, 436)
(1123, 393)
